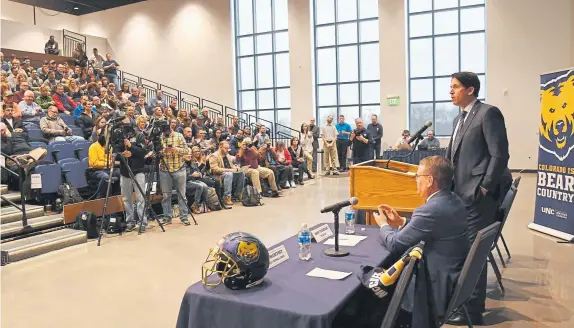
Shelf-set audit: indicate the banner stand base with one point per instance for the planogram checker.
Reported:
(551, 232)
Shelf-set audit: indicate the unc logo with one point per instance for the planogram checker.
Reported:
(247, 251)
(548, 210)
(557, 116)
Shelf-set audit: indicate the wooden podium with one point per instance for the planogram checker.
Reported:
(374, 185)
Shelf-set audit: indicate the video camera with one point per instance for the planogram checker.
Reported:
(154, 131)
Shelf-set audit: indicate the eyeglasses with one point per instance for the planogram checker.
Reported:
(421, 175)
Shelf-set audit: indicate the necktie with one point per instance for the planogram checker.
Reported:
(458, 135)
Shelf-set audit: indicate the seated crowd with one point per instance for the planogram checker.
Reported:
(199, 151)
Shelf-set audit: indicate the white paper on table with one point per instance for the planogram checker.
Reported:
(346, 240)
(329, 274)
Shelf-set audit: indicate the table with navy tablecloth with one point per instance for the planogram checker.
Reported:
(413, 158)
(287, 297)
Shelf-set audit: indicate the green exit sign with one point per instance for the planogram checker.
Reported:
(393, 100)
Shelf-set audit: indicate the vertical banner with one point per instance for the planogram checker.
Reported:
(554, 210)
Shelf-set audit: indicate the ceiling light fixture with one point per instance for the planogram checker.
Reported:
(76, 8)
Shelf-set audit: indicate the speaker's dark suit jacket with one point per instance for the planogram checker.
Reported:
(441, 223)
(481, 158)
(17, 124)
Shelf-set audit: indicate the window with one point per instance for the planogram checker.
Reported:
(347, 72)
(444, 37)
(262, 61)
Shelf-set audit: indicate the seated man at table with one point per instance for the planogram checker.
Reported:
(441, 224)
(430, 142)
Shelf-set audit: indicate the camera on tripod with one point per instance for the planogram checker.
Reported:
(118, 132)
(154, 131)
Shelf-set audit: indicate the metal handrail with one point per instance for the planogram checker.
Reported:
(21, 177)
(187, 101)
(70, 42)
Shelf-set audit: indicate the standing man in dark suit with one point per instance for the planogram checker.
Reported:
(478, 150)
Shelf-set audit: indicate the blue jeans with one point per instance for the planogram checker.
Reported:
(199, 189)
(231, 179)
(68, 138)
(127, 187)
(166, 183)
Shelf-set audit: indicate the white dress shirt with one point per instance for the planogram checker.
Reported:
(467, 110)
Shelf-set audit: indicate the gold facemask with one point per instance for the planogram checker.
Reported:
(218, 262)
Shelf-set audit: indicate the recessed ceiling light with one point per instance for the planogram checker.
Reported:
(76, 8)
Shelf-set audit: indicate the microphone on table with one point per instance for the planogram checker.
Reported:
(340, 205)
(335, 208)
(419, 132)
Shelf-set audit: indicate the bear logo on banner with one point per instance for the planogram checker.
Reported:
(557, 116)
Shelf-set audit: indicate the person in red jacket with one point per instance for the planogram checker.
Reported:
(64, 103)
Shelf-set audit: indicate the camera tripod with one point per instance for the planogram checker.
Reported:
(156, 157)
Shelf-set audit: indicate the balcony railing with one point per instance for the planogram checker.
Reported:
(188, 101)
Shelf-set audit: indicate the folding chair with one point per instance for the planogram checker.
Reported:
(470, 272)
(62, 151)
(399, 294)
(515, 187)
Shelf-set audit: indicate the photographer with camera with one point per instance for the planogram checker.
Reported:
(362, 140)
(172, 172)
(134, 151)
(248, 157)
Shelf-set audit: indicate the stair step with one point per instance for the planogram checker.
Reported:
(10, 214)
(3, 189)
(34, 224)
(10, 195)
(40, 244)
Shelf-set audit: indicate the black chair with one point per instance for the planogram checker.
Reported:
(471, 270)
(399, 294)
(514, 187)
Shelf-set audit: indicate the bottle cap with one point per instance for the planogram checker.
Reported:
(304, 226)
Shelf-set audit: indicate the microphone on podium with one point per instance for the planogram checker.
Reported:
(340, 205)
(419, 132)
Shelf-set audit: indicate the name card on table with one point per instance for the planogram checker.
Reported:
(36, 181)
(277, 256)
(321, 233)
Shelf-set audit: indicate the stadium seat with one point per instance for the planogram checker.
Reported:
(64, 150)
(68, 119)
(35, 133)
(51, 177)
(77, 131)
(66, 160)
(38, 144)
(82, 148)
(75, 173)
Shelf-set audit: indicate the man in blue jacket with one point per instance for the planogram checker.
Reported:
(343, 132)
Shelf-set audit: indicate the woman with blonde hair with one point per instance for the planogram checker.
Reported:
(182, 117)
(169, 114)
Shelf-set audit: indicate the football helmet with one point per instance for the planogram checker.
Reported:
(240, 260)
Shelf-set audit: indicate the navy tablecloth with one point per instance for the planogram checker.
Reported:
(287, 297)
(415, 157)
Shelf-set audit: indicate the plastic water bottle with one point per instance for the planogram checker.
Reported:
(304, 238)
(350, 221)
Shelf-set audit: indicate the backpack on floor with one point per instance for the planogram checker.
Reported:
(87, 221)
(212, 200)
(69, 194)
(251, 196)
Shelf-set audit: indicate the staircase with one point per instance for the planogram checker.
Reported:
(19, 242)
